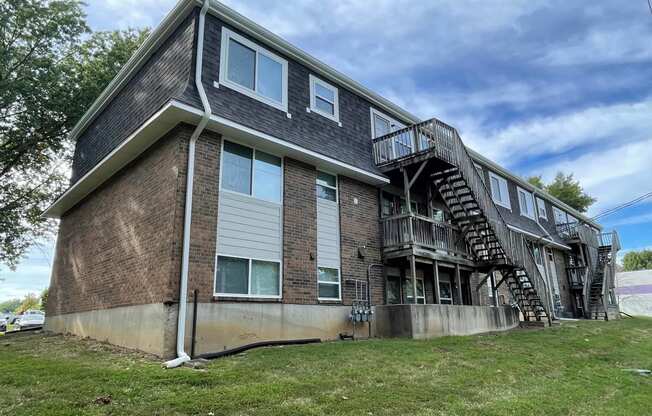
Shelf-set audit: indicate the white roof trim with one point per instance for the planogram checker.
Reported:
(168, 117)
(538, 237)
(528, 186)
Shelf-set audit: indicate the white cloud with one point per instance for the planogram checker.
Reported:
(632, 220)
(31, 276)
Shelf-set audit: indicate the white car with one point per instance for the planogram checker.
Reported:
(30, 319)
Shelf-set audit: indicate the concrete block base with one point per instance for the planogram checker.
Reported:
(429, 321)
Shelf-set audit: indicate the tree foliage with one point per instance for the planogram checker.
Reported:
(31, 301)
(50, 73)
(10, 305)
(567, 189)
(637, 260)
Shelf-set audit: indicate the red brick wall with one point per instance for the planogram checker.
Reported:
(115, 248)
(299, 233)
(359, 227)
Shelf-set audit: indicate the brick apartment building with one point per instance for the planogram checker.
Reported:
(225, 162)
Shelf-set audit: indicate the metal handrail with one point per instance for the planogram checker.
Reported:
(436, 136)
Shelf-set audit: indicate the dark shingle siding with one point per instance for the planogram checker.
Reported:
(350, 143)
(163, 77)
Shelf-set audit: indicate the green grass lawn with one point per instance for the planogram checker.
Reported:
(575, 369)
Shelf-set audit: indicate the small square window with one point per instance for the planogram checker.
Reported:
(232, 276)
(324, 99)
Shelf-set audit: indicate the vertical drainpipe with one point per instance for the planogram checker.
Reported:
(182, 356)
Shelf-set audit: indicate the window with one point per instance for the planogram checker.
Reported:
(329, 283)
(445, 293)
(409, 292)
(324, 99)
(526, 203)
(381, 124)
(386, 205)
(326, 186)
(247, 277)
(253, 70)
(489, 289)
(251, 172)
(541, 209)
(499, 191)
(560, 216)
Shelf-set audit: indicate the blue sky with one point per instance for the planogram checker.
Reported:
(537, 85)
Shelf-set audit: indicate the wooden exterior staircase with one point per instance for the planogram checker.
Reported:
(495, 245)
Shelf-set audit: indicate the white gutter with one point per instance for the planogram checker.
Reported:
(538, 237)
(182, 356)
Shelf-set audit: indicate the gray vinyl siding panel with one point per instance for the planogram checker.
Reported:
(249, 227)
(328, 234)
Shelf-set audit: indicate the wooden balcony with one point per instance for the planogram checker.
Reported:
(418, 142)
(416, 232)
(575, 232)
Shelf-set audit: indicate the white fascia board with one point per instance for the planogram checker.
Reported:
(174, 113)
(538, 237)
(272, 144)
(483, 160)
(146, 135)
(279, 44)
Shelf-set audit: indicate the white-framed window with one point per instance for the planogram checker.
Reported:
(560, 216)
(541, 209)
(252, 172)
(499, 190)
(246, 277)
(253, 70)
(328, 280)
(526, 203)
(409, 292)
(445, 293)
(324, 99)
(326, 186)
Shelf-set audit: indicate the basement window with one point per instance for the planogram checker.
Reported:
(324, 99)
(253, 71)
(242, 277)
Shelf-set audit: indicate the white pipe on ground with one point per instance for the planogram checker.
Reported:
(182, 356)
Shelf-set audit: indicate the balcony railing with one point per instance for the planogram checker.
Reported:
(427, 233)
(578, 231)
(439, 140)
(432, 135)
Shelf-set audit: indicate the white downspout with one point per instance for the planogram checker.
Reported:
(182, 356)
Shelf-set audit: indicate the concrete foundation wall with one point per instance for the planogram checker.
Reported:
(150, 328)
(429, 321)
(225, 325)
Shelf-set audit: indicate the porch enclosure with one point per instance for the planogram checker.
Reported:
(432, 152)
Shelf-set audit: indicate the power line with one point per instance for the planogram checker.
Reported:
(606, 212)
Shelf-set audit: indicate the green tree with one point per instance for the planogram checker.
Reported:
(637, 260)
(49, 76)
(537, 181)
(31, 301)
(44, 298)
(567, 189)
(9, 305)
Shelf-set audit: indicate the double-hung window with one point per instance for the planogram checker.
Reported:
(541, 209)
(251, 172)
(400, 145)
(324, 99)
(526, 203)
(499, 190)
(254, 71)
